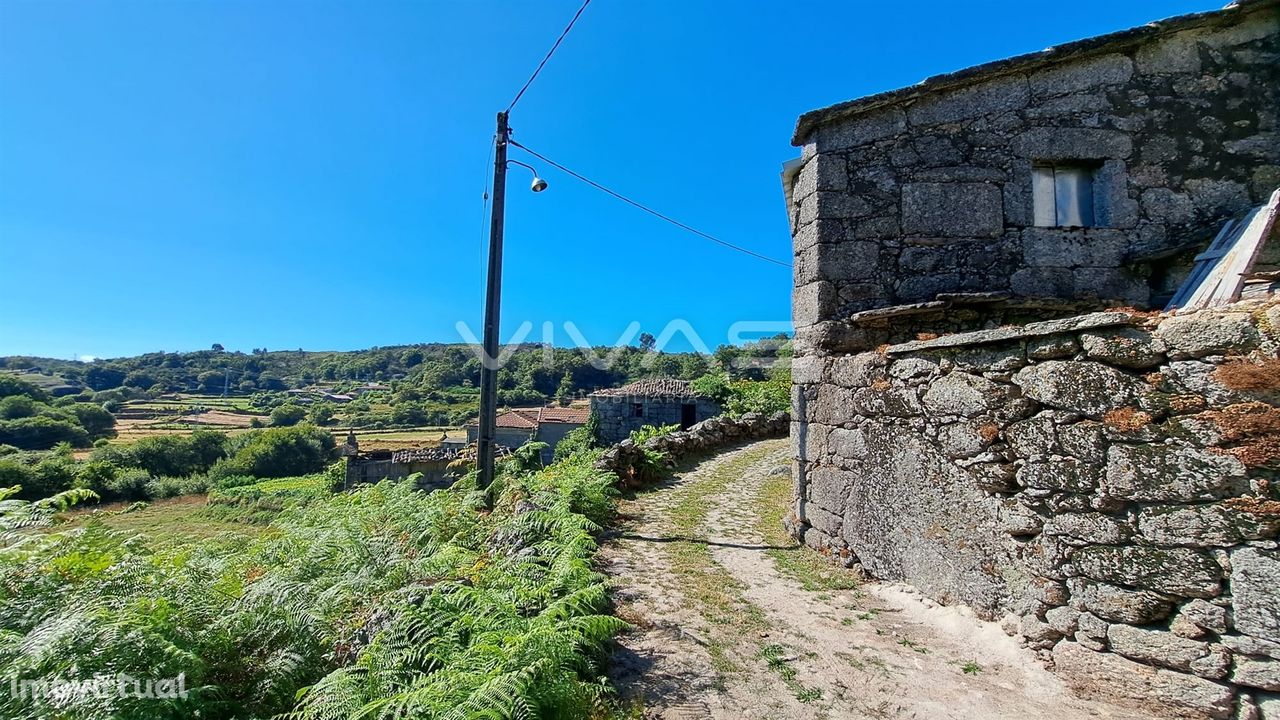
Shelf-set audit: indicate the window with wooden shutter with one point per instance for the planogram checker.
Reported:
(1063, 195)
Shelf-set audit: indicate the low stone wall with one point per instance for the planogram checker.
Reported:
(1105, 483)
(627, 460)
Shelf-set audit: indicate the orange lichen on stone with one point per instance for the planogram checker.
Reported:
(1126, 419)
(1155, 379)
(880, 384)
(882, 349)
(1261, 452)
(1255, 505)
(989, 432)
(1246, 374)
(1182, 404)
(927, 336)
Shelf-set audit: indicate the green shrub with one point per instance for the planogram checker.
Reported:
(287, 415)
(580, 439)
(738, 397)
(380, 603)
(276, 452)
(274, 495)
(128, 484)
(654, 462)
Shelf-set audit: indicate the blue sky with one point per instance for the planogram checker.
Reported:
(289, 174)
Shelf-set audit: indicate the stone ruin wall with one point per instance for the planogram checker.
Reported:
(616, 420)
(1095, 481)
(627, 460)
(932, 193)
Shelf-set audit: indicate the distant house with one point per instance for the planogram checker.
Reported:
(541, 424)
(657, 402)
(432, 462)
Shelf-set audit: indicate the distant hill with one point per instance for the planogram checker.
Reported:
(533, 371)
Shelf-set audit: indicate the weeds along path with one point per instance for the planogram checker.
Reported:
(732, 620)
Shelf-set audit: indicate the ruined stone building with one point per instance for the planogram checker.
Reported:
(1089, 172)
(968, 417)
(375, 465)
(656, 402)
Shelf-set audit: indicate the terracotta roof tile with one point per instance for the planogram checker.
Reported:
(564, 415)
(524, 418)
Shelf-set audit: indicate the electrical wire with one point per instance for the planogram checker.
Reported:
(649, 210)
(550, 52)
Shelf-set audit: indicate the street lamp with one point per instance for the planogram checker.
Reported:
(486, 438)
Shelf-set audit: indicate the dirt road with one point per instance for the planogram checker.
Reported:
(734, 622)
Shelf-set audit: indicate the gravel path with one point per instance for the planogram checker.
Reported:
(724, 628)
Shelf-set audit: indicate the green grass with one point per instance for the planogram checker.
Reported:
(259, 501)
(811, 570)
(912, 644)
(181, 520)
(40, 380)
(776, 658)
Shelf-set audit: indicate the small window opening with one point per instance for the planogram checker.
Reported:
(637, 409)
(1063, 195)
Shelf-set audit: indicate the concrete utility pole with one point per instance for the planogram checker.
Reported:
(488, 430)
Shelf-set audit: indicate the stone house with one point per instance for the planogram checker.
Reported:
(550, 425)
(656, 402)
(376, 465)
(1087, 174)
(1089, 478)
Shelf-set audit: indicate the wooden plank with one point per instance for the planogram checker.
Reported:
(1201, 268)
(1212, 274)
(1225, 277)
(1240, 260)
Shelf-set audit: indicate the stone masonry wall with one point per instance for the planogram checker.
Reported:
(1105, 483)
(932, 193)
(616, 417)
(625, 459)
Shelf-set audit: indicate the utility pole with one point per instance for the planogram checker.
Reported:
(492, 311)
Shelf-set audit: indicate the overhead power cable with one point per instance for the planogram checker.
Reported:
(550, 52)
(649, 210)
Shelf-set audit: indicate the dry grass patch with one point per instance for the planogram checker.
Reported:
(1255, 426)
(1247, 374)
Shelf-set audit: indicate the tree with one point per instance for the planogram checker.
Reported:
(211, 381)
(95, 420)
(217, 347)
(287, 414)
(101, 377)
(11, 385)
(140, 379)
(320, 413)
(564, 393)
(647, 341)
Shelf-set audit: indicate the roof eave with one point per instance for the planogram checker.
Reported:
(814, 119)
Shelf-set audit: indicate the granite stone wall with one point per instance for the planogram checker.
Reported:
(1105, 483)
(626, 459)
(617, 418)
(930, 192)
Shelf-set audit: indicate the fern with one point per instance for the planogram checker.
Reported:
(386, 602)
